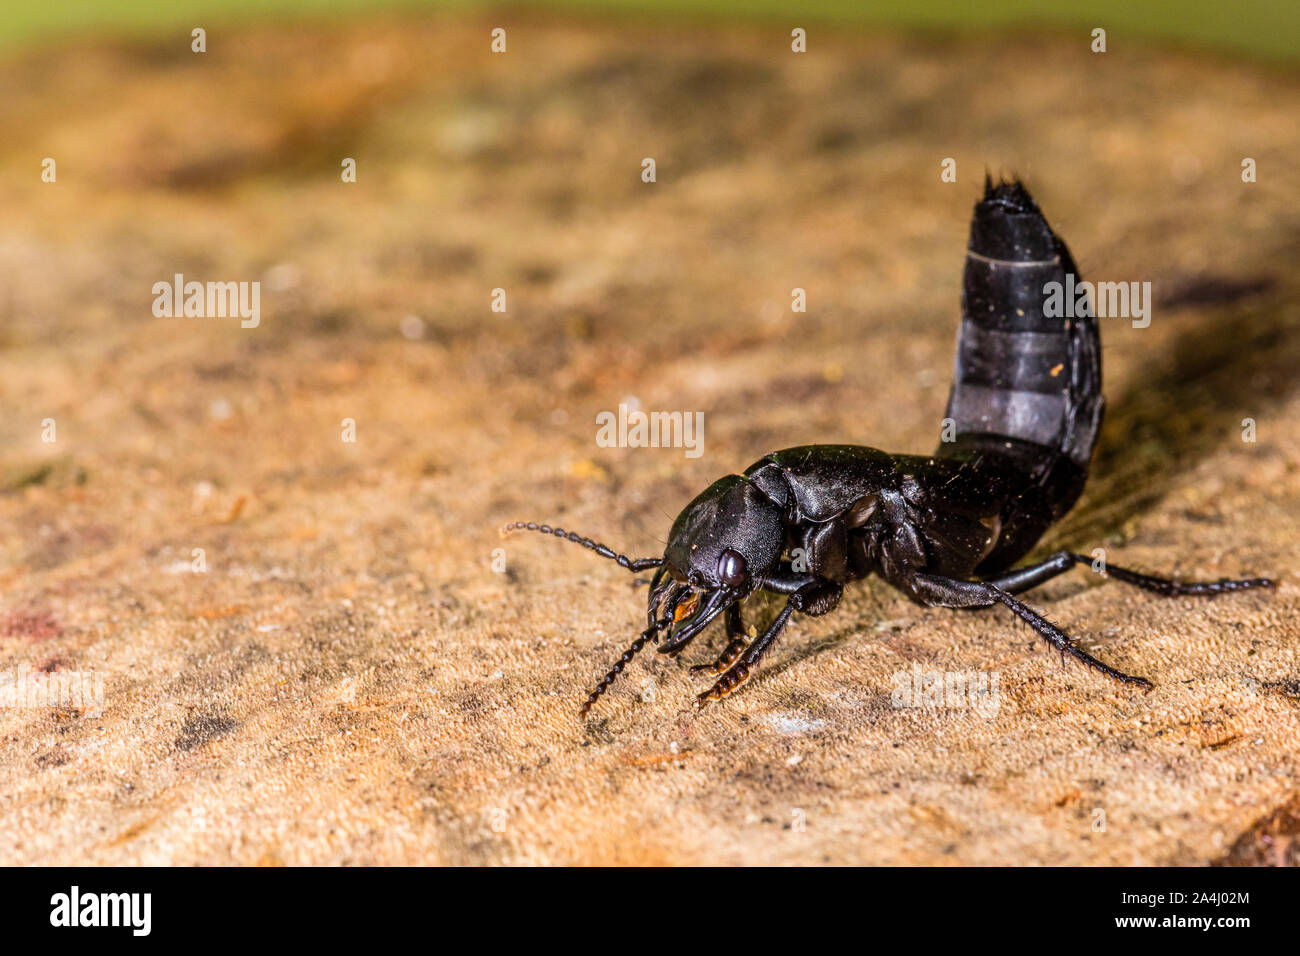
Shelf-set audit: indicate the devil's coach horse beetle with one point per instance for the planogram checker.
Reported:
(1026, 403)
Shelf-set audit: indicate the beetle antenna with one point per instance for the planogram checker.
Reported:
(651, 631)
(632, 564)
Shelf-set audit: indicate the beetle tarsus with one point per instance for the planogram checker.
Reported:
(735, 631)
(740, 672)
(727, 684)
(724, 661)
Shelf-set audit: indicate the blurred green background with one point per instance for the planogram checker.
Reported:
(1265, 28)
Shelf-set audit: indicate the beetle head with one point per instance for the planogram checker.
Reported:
(721, 547)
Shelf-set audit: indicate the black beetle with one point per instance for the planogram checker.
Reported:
(1024, 412)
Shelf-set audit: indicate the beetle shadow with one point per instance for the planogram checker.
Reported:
(1236, 359)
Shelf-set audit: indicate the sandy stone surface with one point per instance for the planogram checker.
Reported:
(350, 681)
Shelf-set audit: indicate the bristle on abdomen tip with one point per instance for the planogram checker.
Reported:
(1010, 194)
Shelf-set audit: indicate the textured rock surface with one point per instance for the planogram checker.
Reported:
(350, 681)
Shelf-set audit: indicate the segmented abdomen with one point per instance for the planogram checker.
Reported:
(1020, 373)
(1027, 386)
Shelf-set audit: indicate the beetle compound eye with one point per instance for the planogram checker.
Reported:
(731, 568)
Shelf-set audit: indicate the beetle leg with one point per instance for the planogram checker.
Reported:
(1171, 588)
(735, 631)
(739, 672)
(785, 580)
(814, 598)
(939, 591)
(1022, 579)
(1061, 641)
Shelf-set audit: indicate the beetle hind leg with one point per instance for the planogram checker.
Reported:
(1022, 579)
(1168, 587)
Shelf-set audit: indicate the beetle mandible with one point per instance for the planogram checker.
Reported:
(946, 529)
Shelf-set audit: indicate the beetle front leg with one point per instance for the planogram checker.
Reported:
(781, 581)
(735, 631)
(739, 672)
(814, 598)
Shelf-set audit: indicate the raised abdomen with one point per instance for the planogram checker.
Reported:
(1027, 385)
